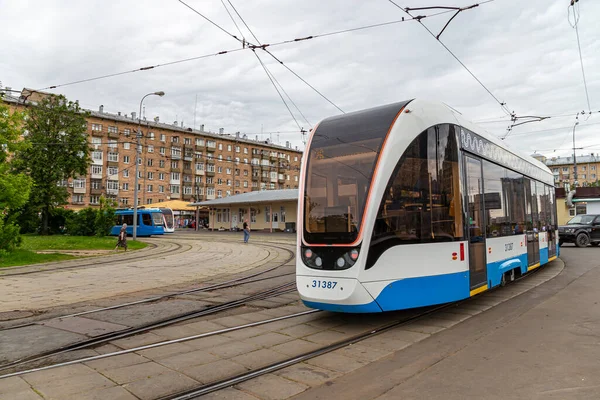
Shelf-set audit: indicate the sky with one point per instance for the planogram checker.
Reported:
(525, 53)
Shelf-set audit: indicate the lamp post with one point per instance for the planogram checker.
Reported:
(574, 157)
(137, 163)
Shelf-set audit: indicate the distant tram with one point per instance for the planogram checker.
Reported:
(409, 205)
(150, 222)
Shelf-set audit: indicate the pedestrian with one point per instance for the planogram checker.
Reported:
(122, 241)
(246, 231)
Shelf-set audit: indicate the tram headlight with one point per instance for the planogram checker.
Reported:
(318, 262)
(340, 262)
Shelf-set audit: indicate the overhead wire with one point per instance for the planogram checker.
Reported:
(419, 20)
(222, 52)
(576, 17)
(269, 74)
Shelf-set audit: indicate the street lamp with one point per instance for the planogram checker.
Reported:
(137, 163)
(574, 157)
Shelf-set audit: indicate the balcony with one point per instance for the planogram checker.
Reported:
(97, 133)
(211, 196)
(200, 148)
(187, 197)
(199, 172)
(273, 157)
(112, 192)
(175, 156)
(79, 190)
(175, 169)
(281, 179)
(210, 173)
(265, 155)
(175, 195)
(188, 157)
(95, 191)
(113, 135)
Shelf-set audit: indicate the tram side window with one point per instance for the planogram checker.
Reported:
(552, 206)
(495, 200)
(147, 219)
(125, 219)
(422, 200)
(514, 195)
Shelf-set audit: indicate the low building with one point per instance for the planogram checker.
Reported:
(268, 210)
(585, 201)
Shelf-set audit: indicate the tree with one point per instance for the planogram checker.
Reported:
(105, 216)
(58, 150)
(14, 187)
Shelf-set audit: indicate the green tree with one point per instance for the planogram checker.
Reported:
(14, 187)
(105, 216)
(58, 150)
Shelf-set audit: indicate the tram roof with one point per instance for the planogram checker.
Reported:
(264, 196)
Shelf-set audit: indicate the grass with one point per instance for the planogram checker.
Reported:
(26, 254)
(59, 242)
(26, 257)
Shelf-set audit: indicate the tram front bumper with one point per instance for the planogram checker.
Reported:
(335, 294)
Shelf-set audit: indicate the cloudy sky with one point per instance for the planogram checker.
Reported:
(524, 52)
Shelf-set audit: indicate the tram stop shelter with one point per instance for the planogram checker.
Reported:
(267, 210)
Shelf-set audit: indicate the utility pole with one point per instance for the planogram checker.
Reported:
(574, 157)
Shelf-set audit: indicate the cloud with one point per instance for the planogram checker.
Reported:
(525, 53)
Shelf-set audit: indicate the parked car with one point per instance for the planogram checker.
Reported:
(581, 230)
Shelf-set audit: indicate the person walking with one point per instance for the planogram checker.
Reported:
(246, 231)
(122, 241)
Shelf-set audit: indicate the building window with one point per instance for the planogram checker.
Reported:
(220, 170)
(96, 141)
(97, 155)
(124, 200)
(228, 147)
(199, 142)
(126, 132)
(79, 183)
(97, 169)
(565, 169)
(228, 182)
(161, 163)
(175, 189)
(150, 175)
(97, 127)
(149, 201)
(296, 158)
(220, 146)
(162, 151)
(150, 148)
(219, 181)
(126, 159)
(593, 168)
(126, 186)
(582, 176)
(114, 157)
(112, 185)
(210, 191)
(161, 189)
(198, 179)
(161, 176)
(175, 139)
(267, 214)
(113, 129)
(94, 199)
(149, 188)
(245, 184)
(125, 173)
(245, 150)
(163, 138)
(77, 198)
(112, 143)
(228, 171)
(150, 162)
(126, 146)
(113, 171)
(175, 176)
(151, 135)
(219, 193)
(209, 180)
(174, 164)
(187, 190)
(187, 141)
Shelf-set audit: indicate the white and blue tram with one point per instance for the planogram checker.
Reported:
(409, 205)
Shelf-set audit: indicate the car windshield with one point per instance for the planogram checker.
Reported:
(581, 219)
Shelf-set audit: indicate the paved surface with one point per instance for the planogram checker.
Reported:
(149, 374)
(544, 344)
(195, 260)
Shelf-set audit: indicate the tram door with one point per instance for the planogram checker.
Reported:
(475, 221)
(532, 222)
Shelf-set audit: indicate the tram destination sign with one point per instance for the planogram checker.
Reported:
(474, 143)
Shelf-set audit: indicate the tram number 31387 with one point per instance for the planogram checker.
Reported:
(323, 284)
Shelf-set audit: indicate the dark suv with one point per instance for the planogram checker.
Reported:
(581, 230)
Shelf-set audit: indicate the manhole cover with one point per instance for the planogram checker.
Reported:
(10, 315)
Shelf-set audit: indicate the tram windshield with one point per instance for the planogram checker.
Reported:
(157, 218)
(341, 162)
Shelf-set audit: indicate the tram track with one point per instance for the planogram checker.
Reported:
(212, 286)
(285, 288)
(288, 287)
(289, 361)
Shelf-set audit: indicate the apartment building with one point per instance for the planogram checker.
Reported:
(588, 169)
(176, 162)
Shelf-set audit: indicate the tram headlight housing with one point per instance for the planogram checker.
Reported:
(327, 258)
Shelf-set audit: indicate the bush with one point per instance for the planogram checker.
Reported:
(105, 217)
(82, 223)
(9, 235)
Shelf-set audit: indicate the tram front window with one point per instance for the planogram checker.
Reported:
(341, 162)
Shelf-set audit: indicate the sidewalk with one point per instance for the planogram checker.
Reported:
(544, 344)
